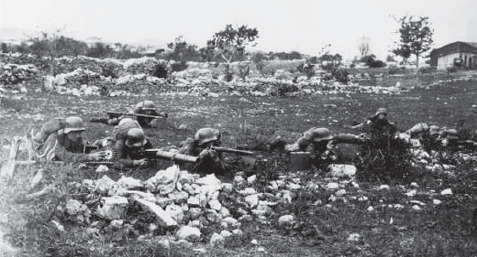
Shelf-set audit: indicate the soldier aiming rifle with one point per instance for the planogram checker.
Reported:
(145, 113)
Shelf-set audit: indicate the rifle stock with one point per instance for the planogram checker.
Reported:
(161, 154)
(118, 114)
(231, 150)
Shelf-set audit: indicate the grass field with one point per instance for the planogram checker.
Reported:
(395, 227)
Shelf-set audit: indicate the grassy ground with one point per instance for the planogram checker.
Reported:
(393, 228)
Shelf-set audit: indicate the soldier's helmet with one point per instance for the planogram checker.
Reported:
(135, 138)
(321, 134)
(381, 110)
(73, 123)
(145, 105)
(434, 130)
(206, 135)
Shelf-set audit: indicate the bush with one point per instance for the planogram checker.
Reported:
(452, 69)
(341, 75)
(385, 158)
(428, 69)
(307, 68)
(160, 70)
(376, 63)
(396, 70)
(179, 66)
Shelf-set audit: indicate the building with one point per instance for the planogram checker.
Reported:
(460, 54)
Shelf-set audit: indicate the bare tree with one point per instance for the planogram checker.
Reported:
(364, 47)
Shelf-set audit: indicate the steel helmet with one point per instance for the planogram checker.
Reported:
(206, 135)
(381, 110)
(321, 134)
(73, 123)
(145, 105)
(135, 138)
(434, 130)
(125, 120)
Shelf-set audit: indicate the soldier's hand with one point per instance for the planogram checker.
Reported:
(97, 156)
(141, 162)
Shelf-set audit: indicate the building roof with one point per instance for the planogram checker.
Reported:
(455, 47)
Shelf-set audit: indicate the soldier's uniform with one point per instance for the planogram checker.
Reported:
(319, 143)
(199, 146)
(128, 140)
(378, 124)
(52, 142)
(144, 107)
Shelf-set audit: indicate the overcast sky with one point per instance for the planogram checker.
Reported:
(283, 25)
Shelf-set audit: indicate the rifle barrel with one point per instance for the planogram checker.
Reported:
(135, 114)
(231, 150)
(173, 156)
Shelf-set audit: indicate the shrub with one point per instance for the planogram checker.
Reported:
(307, 68)
(341, 75)
(452, 69)
(428, 69)
(244, 70)
(179, 66)
(384, 158)
(396, 70)
(376, 63)
(110, 70)
(160, 70)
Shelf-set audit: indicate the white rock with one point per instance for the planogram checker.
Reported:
(411, 193)
(215, 205)
(227, 187)
(355, 237)
(231, 222)
(74, 207)
(251, 179)
(286, 220)
(178, 196)
(162, 217)
(191, 234)
(342, 170)
(175, 212)
(195, 213)
(332, 186)
(384, 187)
(370, 208)
(104, 184)
(340, 193)
(217, 239)
(193, 201)
(416, 208)
(252, 200)
(102, 168)
(164, 181)
(248, 191)
(436, 201)
(113, 207)
(446, 191)
(129, 183)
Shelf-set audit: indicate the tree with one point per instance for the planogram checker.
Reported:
(415, 37)
(229, 43)
(180, 50)
(364, 47)
(45, 46)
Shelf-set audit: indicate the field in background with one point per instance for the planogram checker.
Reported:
(442, 230)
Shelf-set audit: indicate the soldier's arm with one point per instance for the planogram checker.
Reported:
(121, 156)
(67, 156)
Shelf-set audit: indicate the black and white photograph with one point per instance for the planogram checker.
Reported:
(209, 128)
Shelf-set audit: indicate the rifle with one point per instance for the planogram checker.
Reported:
(119, 114)
(231, 150)
(161, 154)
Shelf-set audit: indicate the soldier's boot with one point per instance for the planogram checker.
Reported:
(277, 143)
(100, 120)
